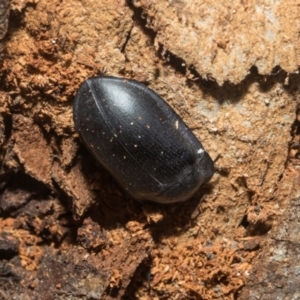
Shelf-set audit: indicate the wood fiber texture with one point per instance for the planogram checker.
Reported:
(68, 231)
(222, 40)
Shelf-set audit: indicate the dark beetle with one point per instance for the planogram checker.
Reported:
(140, 140)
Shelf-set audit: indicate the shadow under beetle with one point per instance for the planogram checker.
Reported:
(140, 140)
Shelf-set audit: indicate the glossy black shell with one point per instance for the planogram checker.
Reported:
(140, 140)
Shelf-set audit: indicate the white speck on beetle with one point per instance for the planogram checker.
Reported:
(200, 151)
(176, 124)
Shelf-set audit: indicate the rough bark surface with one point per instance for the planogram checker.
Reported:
(68, 231)
(222, 40)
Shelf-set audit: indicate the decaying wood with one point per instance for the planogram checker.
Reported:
(67, 230)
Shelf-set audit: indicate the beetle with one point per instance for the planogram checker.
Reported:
(140, 140)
